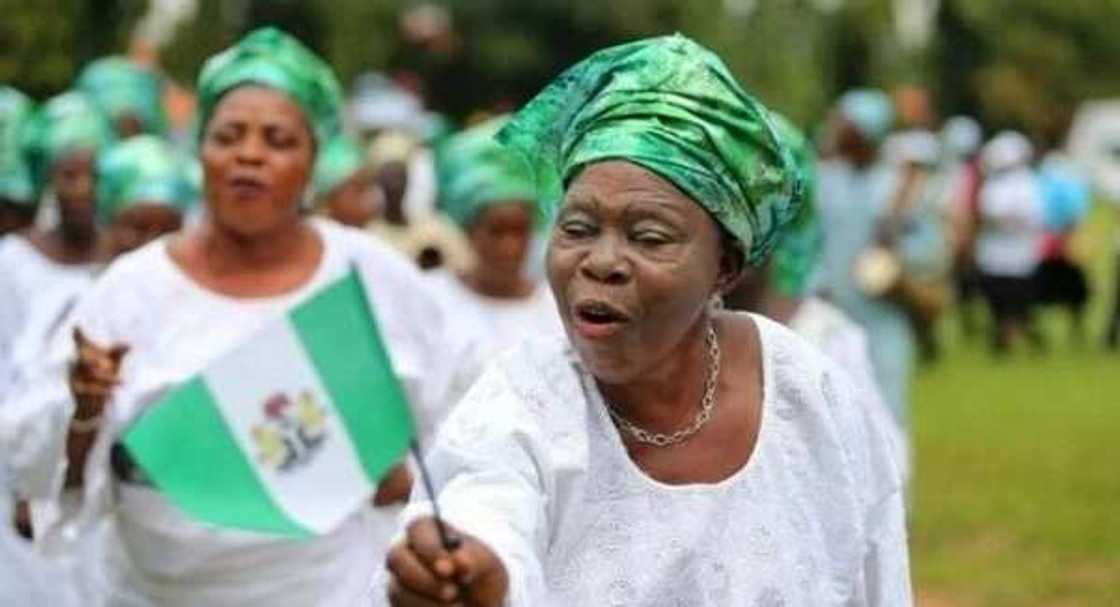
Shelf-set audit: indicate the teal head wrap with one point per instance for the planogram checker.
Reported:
(671, 106)
(142, 169)
(798, 249)
(870, 111)
(16, 111)
(122, 88)
(66, 124)
(271, 58)
(339, 160)
(475, 171)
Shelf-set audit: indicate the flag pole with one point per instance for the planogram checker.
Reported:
(450, 542)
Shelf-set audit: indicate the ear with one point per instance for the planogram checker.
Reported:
(732, 265)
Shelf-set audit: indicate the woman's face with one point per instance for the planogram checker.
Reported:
(632, 263)
(140, 224)
(72, 179)
(257, 155)
(500, 236)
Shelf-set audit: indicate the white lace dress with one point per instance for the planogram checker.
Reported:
(531, 464)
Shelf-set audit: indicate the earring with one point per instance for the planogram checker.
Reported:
(715, 304)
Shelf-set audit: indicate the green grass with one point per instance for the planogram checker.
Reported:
(1016, 497)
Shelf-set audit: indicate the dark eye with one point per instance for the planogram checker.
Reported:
(281, 139)
(651, 238)
(225, 135)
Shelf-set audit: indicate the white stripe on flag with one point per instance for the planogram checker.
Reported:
(323, 482)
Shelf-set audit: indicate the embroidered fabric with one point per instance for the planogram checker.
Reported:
(530, 463)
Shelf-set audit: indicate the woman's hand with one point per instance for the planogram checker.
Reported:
(94, 373)
(424, 574)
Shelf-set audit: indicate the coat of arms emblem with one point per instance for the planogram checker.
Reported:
(292, 432)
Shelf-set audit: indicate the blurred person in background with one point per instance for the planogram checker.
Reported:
(159, 315)
(664, 451)
(131, 95)
(960, 180)
(1060, 279)
(18, 197)
(488, 193)
(424, 235)
(783, 289)
(344, 187)
(874, 237)
(42, 272)
(1009, 240)
(143, 192)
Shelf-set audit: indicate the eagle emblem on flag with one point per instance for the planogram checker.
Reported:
(293, 430)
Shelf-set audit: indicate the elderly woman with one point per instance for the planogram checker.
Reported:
(159, 315)
(665, 452)
(487, 192)
(143, 192)
(42, 271)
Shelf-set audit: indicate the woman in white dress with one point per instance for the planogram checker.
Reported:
(664, 453)
(42, 271)
(487, 192)
(158, 315)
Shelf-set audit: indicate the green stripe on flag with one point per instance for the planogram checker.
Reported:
(340, 333)
(209, 477)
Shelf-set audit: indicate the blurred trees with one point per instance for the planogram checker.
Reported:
(1019, 63)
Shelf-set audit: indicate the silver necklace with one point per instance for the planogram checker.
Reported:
(707, 404)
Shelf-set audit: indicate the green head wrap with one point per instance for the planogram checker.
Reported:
(142, 169)
(475, 171)
(121, 88)
(271, 58)
(67, 123)
(799, 245)
(671, 106)
(336, 162)
(16, 111)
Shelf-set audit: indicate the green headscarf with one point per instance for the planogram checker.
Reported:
(671, 106)
(122, 88)
(339, 160)
(475, 171)
(67, 123)
(798, 248)
(271, 58)
(16, 111)
(142, 169)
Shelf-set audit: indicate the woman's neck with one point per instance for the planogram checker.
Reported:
(490, 284)
(228, 252)
(667, 396)
(66, 247)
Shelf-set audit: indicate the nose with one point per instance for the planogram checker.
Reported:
(250, 150)
(605, 263)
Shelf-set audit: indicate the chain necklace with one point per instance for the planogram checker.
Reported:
(707, 404)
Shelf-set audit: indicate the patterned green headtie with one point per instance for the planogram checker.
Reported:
(798, 248)
(142, 169)
(121, 88)
(339, 160)
(272, 58)
(16, 111)
(475, 171)
(65, 124)
(671, 106)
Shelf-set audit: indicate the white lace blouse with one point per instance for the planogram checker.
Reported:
(530, 463)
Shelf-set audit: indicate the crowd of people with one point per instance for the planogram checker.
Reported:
(657, 338)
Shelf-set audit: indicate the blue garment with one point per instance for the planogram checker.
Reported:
(851, 203)
(1066, 197)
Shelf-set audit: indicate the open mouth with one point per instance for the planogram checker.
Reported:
(597, 319)
(247, 187)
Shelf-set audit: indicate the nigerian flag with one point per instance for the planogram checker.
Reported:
(289, 432)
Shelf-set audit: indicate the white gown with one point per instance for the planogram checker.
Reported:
(154, 555)
(531, 464)
(496, 324)
(35, 295)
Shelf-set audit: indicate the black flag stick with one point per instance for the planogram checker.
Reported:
(450, 542)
